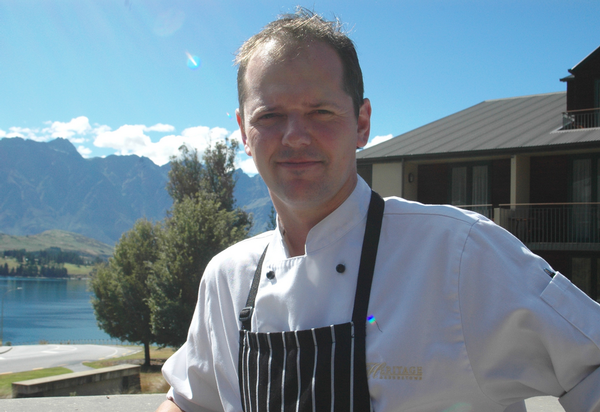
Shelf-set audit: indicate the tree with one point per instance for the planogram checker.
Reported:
(197, 229)
(202, 222)
(218, 173)
(188, 176)
(272, 223)
(185, 176)
(121, 290)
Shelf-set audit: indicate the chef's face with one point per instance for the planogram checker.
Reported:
(300, 127)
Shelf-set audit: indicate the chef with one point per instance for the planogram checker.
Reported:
(354, 303)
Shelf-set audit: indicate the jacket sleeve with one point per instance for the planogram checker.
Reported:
(528, 330)
(190, 371)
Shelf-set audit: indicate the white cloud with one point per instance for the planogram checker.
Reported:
(378, 139)
(127, 139)
(132, 139)
(247, 166)
(159, 127)
(237, 135)
(75, 130)
(84, 151)
(25, 133)
(76, 126)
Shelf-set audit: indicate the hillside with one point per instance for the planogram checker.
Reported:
(50, 186)
(67, 242)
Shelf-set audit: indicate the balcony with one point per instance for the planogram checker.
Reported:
(553, 226)
(485, 210)
(581, 119)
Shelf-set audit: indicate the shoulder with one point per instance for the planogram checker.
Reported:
(396, 207)
(444, 226)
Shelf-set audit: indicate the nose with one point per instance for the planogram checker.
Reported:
(296, 132)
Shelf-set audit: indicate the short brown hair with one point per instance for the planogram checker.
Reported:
(299, 29)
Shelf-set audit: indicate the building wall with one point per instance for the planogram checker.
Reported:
(387, 179)
(410, 188)
(366, 172)
(581, 88)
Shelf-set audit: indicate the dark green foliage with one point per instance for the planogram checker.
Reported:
(46, 257)
(148, 291)
(41, 263)
(272, 223)
(185, 176)
(121, 289)
(197, 230)
(201, 223)
(219, 177)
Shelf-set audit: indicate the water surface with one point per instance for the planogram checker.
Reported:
(51, 310)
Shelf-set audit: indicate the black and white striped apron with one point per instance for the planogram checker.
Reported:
(321, 369)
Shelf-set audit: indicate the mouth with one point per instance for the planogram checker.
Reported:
(298, 164)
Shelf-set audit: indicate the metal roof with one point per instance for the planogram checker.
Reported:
(518, 122)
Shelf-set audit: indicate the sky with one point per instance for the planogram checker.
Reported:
(145, 76)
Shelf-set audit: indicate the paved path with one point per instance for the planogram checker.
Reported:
(30, 357)
(149, 403)
(105, 403)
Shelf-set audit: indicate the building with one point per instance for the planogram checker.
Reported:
(532, 164)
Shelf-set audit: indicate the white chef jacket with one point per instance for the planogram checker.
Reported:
(462, 316)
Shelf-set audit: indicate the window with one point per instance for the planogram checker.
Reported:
(585, 274)
(470, 186)
(459, 186)
(585, 186)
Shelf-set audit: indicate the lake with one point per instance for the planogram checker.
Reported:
(51, 310)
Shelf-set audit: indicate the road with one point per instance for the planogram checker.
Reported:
(30, 357)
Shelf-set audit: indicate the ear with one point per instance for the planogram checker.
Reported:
(364, 123)
(240, 123)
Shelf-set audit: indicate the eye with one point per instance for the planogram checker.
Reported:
(322, 112)
(266, 119)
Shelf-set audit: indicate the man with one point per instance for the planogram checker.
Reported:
(350, 305)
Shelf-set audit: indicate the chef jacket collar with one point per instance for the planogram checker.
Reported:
(336, 225)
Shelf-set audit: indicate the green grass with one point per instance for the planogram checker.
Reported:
(12, 263)
(56, 238)
(6, 379)
(151, 379)
(78, 270)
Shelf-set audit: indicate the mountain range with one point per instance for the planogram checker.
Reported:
(49, 185)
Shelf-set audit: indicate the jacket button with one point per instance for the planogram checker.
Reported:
(270, 275)
(340, 268)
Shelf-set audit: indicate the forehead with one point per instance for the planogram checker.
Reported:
(311, 63)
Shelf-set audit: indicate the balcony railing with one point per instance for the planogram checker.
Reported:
(485, 210)
(581, 119)
(553, 226)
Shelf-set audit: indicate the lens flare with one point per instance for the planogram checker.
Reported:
(193, 62)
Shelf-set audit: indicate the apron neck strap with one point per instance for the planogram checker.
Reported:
(246, 313)
(365, 270)
(367, 259)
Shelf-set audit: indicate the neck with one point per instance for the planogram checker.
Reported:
(295, 230)
(296, 222)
